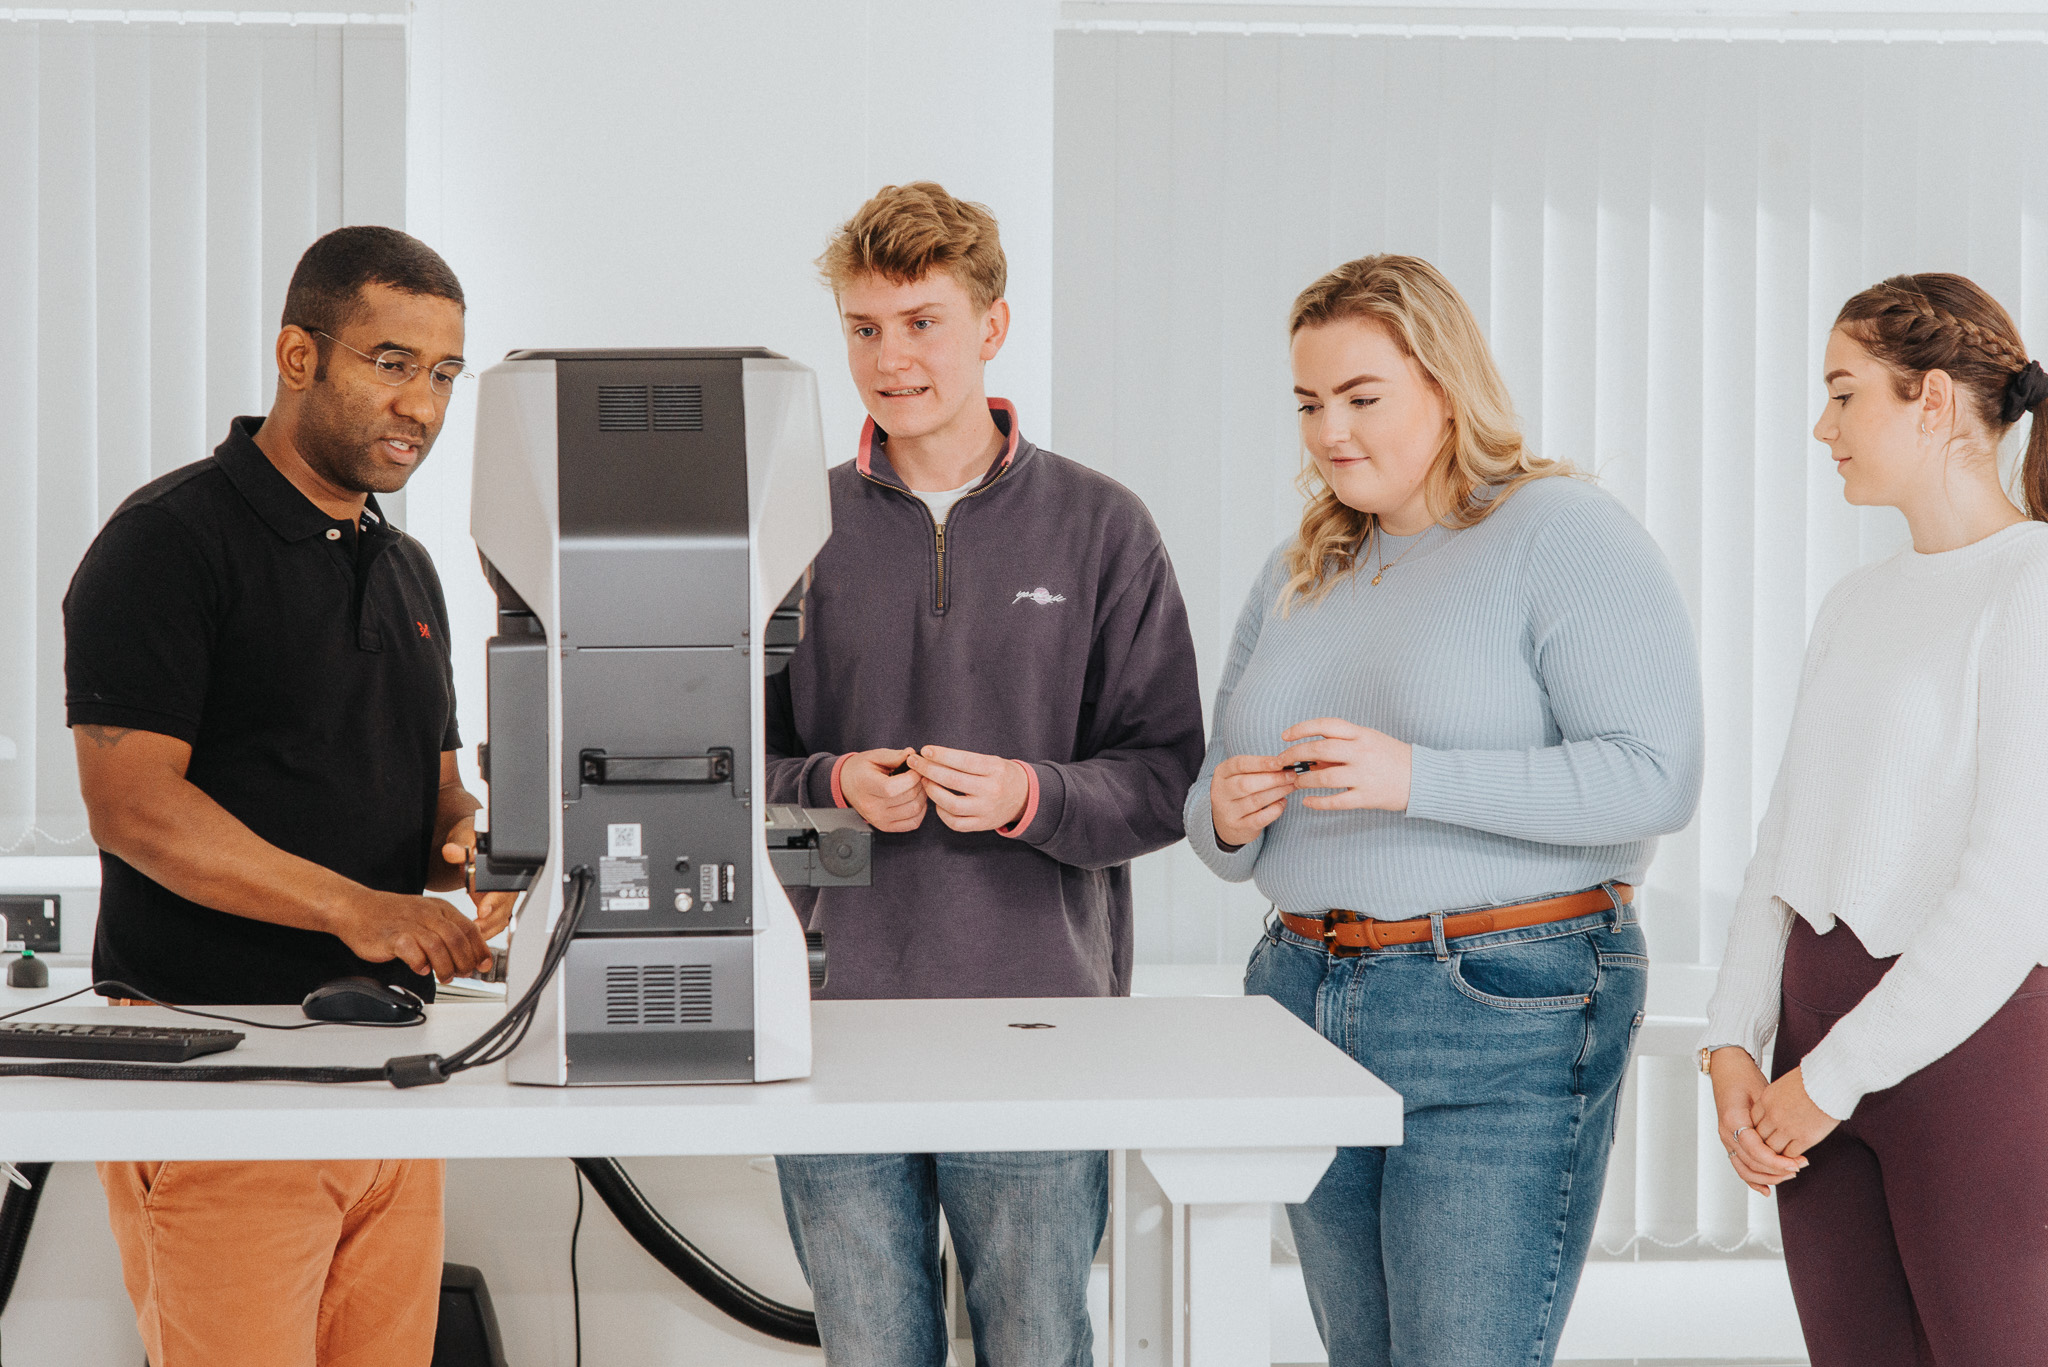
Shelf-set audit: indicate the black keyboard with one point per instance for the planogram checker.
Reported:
(113, 1043)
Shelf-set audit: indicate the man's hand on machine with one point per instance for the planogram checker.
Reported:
(878, 785)
(428, 934)
(493, 909)
(972, 792)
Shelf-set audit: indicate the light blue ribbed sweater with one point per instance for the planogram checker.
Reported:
(1542, 665)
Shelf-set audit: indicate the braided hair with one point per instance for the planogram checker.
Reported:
(1938, 321)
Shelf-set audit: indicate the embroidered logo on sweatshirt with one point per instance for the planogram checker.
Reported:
(1042, 596)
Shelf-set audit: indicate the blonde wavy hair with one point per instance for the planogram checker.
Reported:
(1425, 314)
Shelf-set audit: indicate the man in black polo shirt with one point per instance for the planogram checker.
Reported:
(261, 698)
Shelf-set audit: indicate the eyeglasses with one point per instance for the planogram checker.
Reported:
(396, 367)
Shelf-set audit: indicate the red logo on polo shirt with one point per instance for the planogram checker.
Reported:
(425, 635)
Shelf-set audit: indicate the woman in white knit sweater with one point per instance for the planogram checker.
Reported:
(1893, 923)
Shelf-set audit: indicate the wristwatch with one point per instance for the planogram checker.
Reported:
(1707, 1056)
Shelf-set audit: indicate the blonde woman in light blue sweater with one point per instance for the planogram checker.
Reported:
(1459, 707)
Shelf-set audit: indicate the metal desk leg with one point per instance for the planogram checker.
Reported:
(1228, 1272)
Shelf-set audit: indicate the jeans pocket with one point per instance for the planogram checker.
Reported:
(1554, 974)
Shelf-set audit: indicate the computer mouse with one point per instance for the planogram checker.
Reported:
(363, 999)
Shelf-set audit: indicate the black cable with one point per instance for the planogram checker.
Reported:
(691, 1265)
(520, 1014)
(17, 1217)
(518, 1019)
(94, 1070)
(575, 1285)
(37, 1006)
(114, 987)
(411, 1070)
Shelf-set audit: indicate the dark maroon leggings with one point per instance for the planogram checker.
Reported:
(1918, 1237)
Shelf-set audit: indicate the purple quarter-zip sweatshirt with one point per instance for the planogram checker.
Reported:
(1042, 622)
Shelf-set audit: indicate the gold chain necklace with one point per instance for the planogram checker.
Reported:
(1386, 565)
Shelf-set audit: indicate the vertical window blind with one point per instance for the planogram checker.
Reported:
(157, 183)
(1655, 236)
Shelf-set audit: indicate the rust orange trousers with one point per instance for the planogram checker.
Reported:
(291, 1264)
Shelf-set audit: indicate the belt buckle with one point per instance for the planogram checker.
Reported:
(1331, 920)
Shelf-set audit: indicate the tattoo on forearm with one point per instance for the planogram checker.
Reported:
(106, 737)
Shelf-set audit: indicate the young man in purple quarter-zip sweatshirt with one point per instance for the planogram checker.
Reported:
(996, 673)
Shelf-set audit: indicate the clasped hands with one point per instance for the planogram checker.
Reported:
(891, 789)
(1766, 1127)
(1367, 768)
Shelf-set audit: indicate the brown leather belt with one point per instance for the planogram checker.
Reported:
(1346, 934)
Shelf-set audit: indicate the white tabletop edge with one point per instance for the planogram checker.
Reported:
(892, 1077)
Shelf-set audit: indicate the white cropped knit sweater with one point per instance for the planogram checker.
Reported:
(1912, 804)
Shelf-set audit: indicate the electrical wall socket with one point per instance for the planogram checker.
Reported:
(33, 921)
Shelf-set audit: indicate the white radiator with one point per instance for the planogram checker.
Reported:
(1670, 1191)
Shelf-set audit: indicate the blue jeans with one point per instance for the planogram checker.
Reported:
(1463, 1246)
(1025, 1227)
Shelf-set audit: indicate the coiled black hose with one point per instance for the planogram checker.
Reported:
(17, 1217)
(667, 1246)
(627, 1203)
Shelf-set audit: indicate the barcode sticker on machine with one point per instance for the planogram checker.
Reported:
(622, 884)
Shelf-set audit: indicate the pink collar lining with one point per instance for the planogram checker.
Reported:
(872, 436)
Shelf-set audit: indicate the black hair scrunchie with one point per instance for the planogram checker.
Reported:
(2024, 392)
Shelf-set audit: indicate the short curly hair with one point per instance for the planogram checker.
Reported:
(908, 231)
(326, 291)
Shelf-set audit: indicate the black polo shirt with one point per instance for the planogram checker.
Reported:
(305, 661)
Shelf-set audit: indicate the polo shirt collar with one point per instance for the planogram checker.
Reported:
(276, 499)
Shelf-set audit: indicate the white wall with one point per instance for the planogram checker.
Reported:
(661, 174)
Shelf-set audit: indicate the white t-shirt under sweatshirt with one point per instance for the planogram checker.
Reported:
(941, 502)
(1912, 805)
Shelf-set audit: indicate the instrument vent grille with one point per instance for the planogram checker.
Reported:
(622, 407)
(678, 407)
(657, 994)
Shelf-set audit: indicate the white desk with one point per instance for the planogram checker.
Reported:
(1231, 1103)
